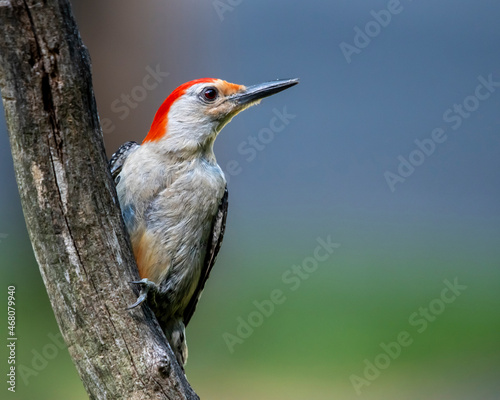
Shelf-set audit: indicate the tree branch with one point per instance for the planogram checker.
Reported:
(71, 210)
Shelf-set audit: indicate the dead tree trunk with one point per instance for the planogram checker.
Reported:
(71, 210)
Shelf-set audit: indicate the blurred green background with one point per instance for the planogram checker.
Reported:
(354, 113)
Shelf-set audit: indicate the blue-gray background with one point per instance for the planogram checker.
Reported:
(321, 176)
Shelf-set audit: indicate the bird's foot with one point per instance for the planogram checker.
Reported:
(148, 291)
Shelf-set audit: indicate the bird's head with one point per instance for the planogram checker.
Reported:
(193, 114)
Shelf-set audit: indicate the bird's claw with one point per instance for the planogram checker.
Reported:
(146, 286)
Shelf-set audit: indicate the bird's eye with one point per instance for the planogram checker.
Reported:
(210, 94)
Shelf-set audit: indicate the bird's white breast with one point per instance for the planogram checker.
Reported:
(173, 207)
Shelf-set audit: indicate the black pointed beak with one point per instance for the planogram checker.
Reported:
(257, 92)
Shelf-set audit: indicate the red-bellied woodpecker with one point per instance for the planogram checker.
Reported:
(173, 196)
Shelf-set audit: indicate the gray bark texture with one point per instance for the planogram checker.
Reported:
(71, 210)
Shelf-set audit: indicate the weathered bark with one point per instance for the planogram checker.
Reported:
(71, 210)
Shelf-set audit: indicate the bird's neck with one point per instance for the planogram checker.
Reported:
(179, 149)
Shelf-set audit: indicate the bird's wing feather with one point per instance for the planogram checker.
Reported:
(213, 247)
(119, 157)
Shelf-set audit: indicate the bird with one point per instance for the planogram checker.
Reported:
(173, 197)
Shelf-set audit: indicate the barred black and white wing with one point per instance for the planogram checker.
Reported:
(119, 157)
(213, 247)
